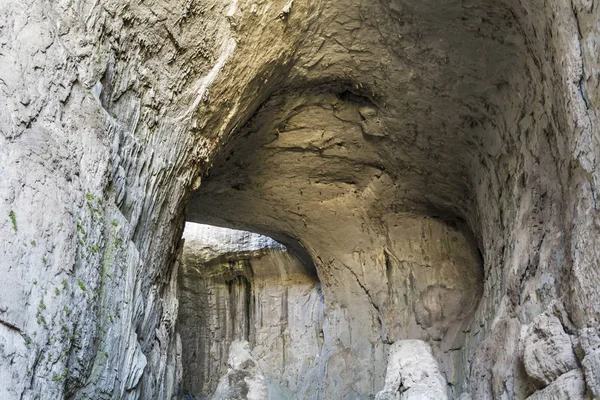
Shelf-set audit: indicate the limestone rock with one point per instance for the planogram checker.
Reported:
(497, 368)
(209, 242)
(238, 286)
(548, 351)
(244, 379)
(569, 386)
(139, 363)
(412, 373)
(435, 161)
(591, 368)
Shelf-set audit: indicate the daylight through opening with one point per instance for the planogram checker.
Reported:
(249, 309)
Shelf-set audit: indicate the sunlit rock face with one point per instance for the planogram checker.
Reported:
(234, 285)
(434, 161)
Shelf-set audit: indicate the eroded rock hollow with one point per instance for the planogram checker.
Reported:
(427, 168)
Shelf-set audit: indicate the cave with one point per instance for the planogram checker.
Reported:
(395, 171)
(419, 178)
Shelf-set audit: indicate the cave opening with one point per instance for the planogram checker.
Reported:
(392, 164)
(244, 296)
(395, 259)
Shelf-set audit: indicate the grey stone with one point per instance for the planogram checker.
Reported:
(235, 285)
(591, 368)
(569, 386)
(412, 373)
(244, 379)
(548, 352)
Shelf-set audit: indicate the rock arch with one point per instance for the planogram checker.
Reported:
(402, 115)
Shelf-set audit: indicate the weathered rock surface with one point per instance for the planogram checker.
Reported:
(244, 379)
(548, 350)
(569, 386)
(589, 350)
(437, 161)
(412, 373)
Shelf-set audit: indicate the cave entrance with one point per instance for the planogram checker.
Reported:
(241, 287)
(394, 263)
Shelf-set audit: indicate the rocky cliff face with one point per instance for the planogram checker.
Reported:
(435, 161)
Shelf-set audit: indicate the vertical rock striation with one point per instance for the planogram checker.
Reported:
(237, 286)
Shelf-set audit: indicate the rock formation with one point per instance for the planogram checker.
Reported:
(430, 166)
(412, 373)
(237, 286)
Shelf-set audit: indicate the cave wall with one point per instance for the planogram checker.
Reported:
(112, 111)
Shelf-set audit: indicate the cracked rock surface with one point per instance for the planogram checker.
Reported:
(435, 161)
